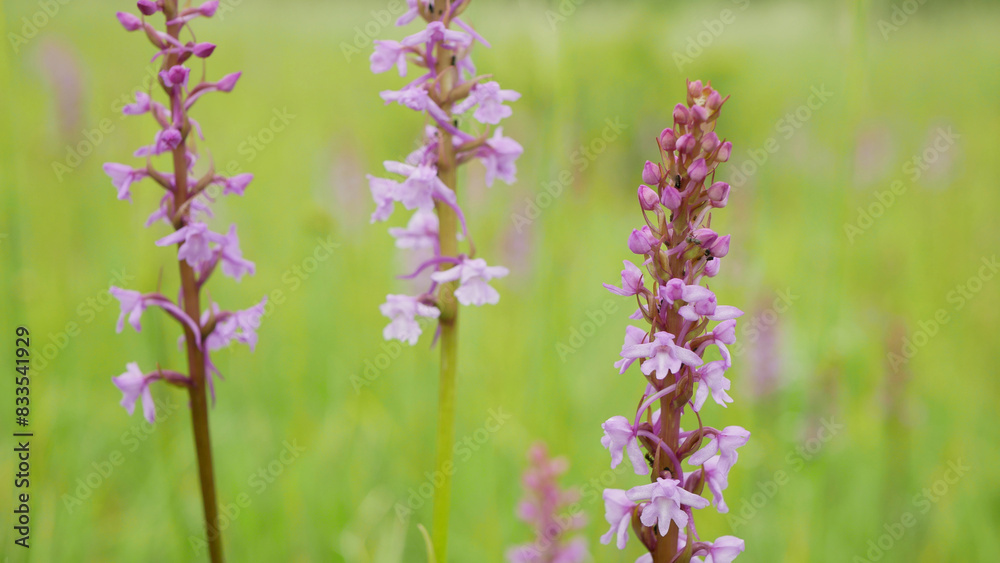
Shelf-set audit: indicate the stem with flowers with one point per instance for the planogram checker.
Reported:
(680, 253)
(551, 511)
(448, 88)
(200, 251)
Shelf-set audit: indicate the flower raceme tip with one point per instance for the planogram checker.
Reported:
(184, 204)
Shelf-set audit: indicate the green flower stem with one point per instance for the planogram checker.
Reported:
(448, 239)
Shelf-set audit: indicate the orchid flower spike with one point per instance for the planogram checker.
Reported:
(191, 243)
(676, 253)
(417, 183)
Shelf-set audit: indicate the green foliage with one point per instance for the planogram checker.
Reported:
(365, 449)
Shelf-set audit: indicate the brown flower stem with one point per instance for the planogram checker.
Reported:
(666, 546)
(195, 354)
(197, 391)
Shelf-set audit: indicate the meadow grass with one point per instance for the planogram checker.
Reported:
(366, 448)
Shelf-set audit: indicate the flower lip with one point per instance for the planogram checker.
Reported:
(631, 281)
(619, 434)
(618, 510)
(489, 98)
(473, 276)
(134, 386)
(402, 311)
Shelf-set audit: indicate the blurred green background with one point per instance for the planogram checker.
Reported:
(830, 303)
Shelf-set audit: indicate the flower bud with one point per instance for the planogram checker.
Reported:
(129, 21)
(724, 152)
(712, 267)
(699, 114)
(721, 247)
(651, 173)
(147, 7)
(203, 50)
(208, 8)
(648, 198)
(714, 101)
(685, 145)
(641, 241)
(668, 141)
(695, 88)
(710, 142)
(228, 82)
(682, 115)
(718, 193)
(670, 198)
(706, 237)
(698, 170)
